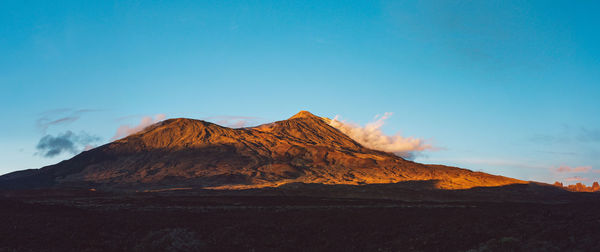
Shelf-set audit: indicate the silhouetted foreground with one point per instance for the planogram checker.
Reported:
(284, 220)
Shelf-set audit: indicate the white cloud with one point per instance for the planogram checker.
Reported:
(581, 169)
(372, 137)
(126, 130)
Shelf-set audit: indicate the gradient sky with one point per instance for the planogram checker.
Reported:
(505, 87)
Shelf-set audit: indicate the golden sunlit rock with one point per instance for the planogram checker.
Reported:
(193, 153)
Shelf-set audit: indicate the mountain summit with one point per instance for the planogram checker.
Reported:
(193, 153)
(304, 114)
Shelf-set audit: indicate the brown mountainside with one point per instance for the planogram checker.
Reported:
(193, 153)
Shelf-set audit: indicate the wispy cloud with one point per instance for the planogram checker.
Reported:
(372, 137)
(589, 135)
(58, 117)
(568, 135)
(578, 169)
(50, 146)
(547, 139)
(494, 161)
(567, 153)
(233, 121)
(576, 178)
(126, 130)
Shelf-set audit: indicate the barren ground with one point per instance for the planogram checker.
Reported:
(187, 221)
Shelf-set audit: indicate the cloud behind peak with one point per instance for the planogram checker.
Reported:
(372, 137)
(126, 130)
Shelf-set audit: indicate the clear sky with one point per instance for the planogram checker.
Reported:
(505, 87)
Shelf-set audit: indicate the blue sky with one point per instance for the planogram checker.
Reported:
(506, 87)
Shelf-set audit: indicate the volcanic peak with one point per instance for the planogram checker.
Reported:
(304, 114)
(193, 153)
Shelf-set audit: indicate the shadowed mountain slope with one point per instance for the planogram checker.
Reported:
(198, 154)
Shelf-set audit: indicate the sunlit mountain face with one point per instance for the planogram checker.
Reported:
(196, 154)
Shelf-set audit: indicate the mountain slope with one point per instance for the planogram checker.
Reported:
(193, 153)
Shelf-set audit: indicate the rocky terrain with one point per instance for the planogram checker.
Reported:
(186, 153)
(292, 185)
(579, 187)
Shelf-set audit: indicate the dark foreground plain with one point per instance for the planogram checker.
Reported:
(286, 219)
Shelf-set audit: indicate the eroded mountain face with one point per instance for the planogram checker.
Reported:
(193, 153)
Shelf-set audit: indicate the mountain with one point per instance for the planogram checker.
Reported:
(192, 153)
